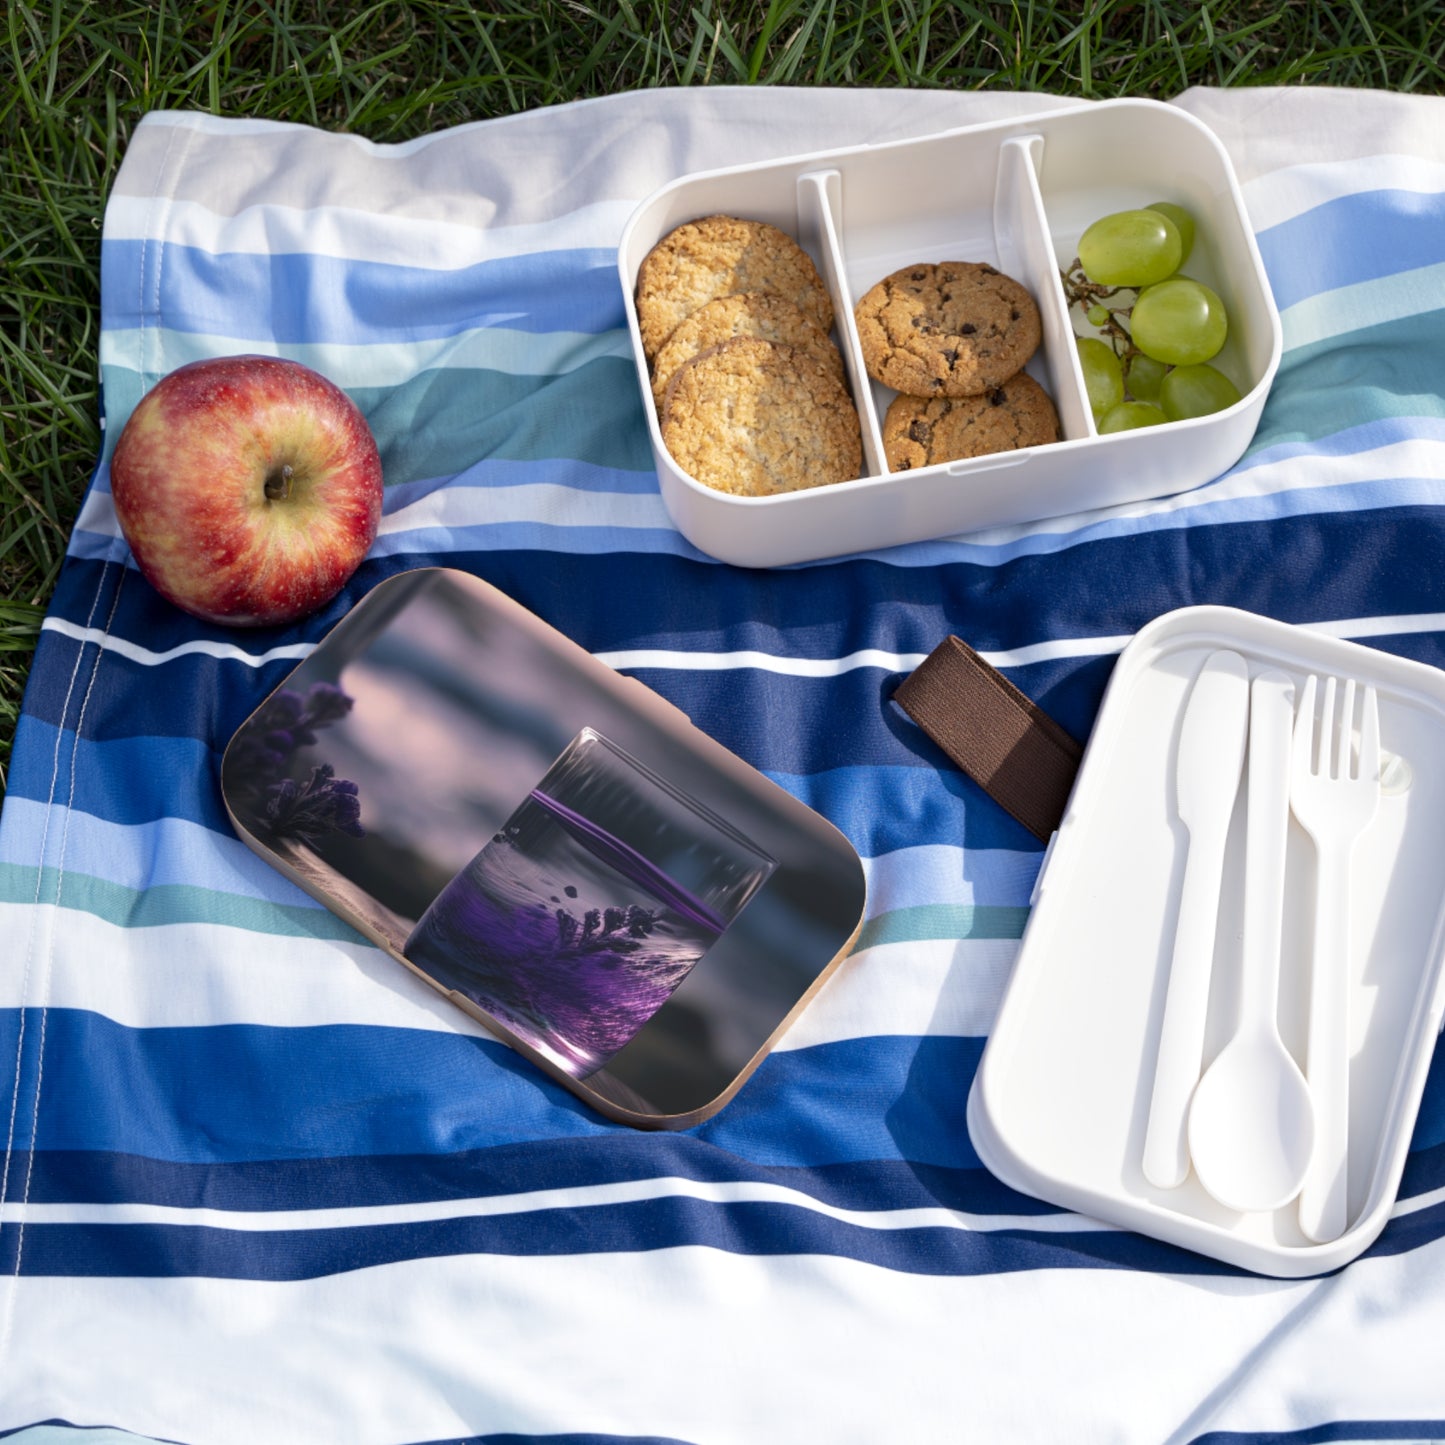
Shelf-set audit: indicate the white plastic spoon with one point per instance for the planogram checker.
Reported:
(1251, 1121)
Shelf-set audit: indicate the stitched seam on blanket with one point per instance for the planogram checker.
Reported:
(35, 925)
(48, 971)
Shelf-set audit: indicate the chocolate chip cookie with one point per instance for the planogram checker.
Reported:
(754, 418)
(749, 313)
(918, 432)
(717, 256)
(955, 328)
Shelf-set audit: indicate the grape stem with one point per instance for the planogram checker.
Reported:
(1086, 295)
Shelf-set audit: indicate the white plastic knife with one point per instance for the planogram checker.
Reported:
(1210, 760)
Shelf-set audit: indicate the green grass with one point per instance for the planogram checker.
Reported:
(76, 77)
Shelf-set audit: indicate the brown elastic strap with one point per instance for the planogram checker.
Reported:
(1008, 745)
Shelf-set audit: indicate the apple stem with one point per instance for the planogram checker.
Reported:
(278, 484)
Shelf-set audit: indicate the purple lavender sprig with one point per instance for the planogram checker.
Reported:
(266, 758)
(309, 811)
(602, 928)
(285, 723)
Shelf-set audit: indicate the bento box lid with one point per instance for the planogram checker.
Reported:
(552, 846)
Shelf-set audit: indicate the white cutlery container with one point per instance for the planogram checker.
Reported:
(1060, 1104)
(1016, 195)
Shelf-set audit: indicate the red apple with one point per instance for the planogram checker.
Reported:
(248, 488)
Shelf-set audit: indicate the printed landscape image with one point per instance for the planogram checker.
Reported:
(471, 790)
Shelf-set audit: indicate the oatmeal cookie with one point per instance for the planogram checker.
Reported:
(956, 328)
(753, 418)
(918, 432)
(748, 313)
(716, 256)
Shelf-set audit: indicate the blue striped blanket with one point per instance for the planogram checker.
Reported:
(259, 1184)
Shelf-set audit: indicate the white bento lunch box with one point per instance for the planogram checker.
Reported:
(1016, 195)
(1061, 1102)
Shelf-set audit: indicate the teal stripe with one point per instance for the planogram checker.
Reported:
(942, 920)
(167, 903)
(439, 423)
(1376, 374)
(442, 422)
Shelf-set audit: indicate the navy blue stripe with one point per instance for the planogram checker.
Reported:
(85, 596)
(1389, 559)
(758, 1230)
(1418, 1432)
(1425, 1164)
(1430, 1126)
(1339, 565)
(752, 1228)
(299, 297)
(57, 1176)
(125, 780)
(1353, 238)
(570, 1438)
(207, 698)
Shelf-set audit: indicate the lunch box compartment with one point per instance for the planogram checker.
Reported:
(1014, 195)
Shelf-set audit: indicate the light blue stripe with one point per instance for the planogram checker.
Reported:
(493, 472)
(1383, 491)
(299, 298)
(173, 852)
(486, 348)
(913, 877)
(442, 542)
(1353, 238)
(1349, 441)
(147, 779)
(78, 1435)
(168, 852)
(881, 809)
(1409, 492)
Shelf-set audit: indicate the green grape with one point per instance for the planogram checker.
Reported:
(1144, 376)
(1103, 376)
(1183, 223)
(1098, 315)
(1196, 391)
(1129, 415)
(1179, 322)
(1130, 248)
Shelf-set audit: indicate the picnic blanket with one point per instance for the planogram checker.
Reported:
(260, 1184)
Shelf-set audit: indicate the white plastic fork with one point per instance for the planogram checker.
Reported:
(1334, 795)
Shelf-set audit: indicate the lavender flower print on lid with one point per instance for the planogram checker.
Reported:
(267, 754)
(589, 907)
